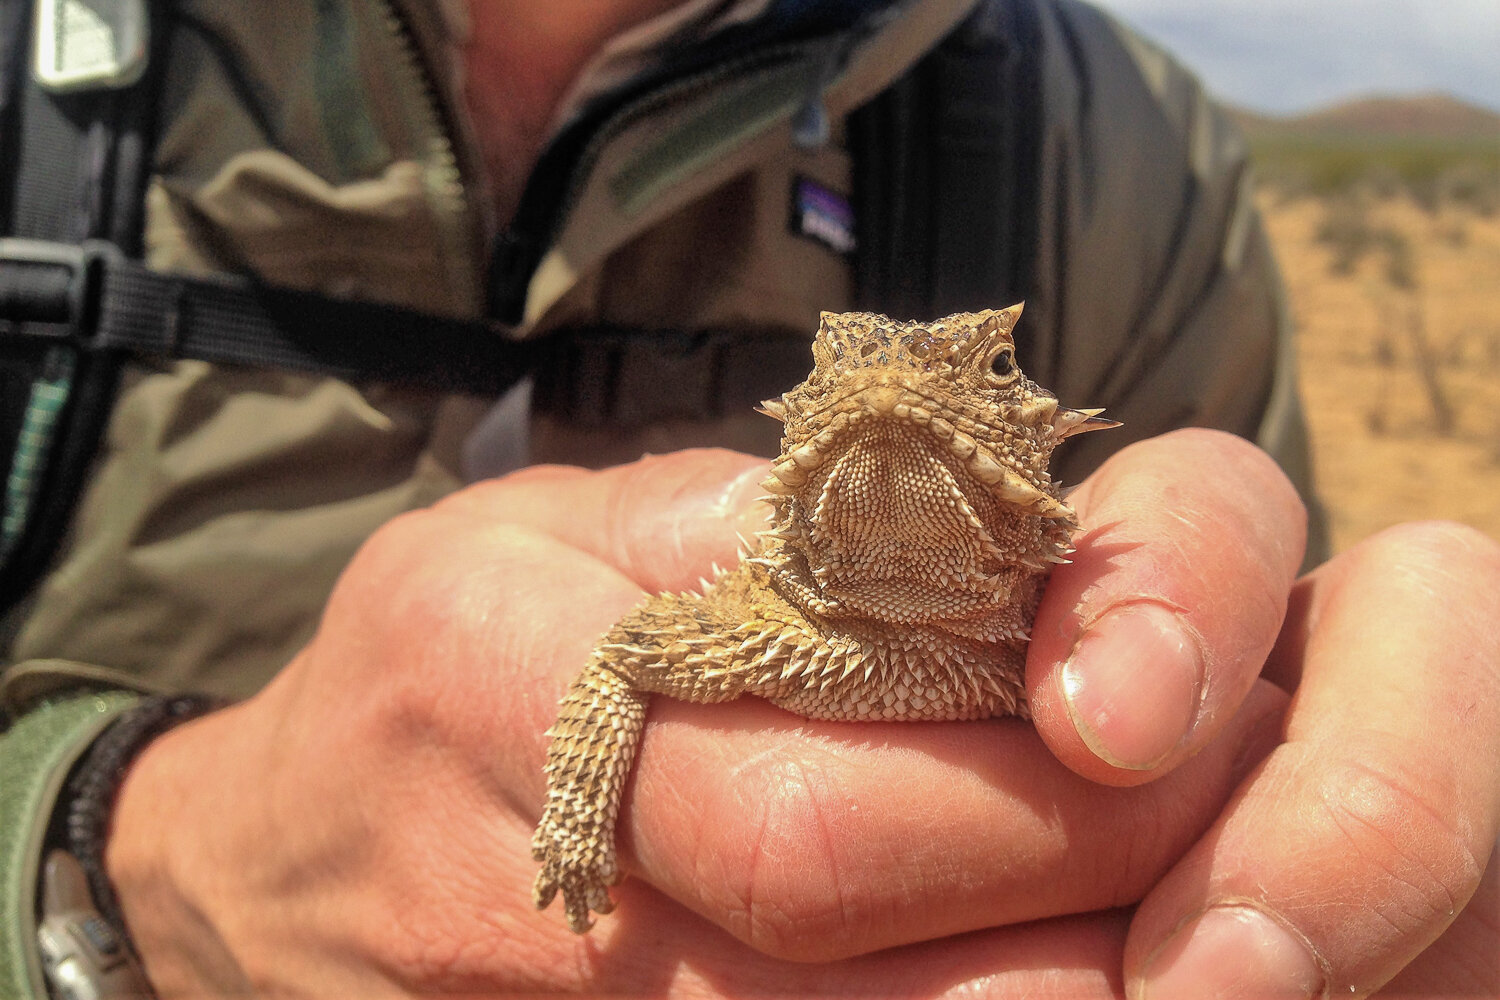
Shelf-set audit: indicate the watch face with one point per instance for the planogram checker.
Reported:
(83, 956)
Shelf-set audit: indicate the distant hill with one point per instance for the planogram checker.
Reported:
(1435, 147)
(1437, 117)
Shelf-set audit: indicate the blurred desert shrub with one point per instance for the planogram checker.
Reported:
(1349, 232)
(1433, 172)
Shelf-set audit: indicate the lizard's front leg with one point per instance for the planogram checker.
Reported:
(593, 746)
(670, 645)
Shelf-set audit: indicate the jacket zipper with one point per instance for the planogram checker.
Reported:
(441, 164)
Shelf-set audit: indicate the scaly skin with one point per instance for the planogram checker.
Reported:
(915, 523)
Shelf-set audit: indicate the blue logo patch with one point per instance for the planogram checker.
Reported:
(823, 215)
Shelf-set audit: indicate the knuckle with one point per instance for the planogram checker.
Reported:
(387, 573)
(416, 561)
(1445, 575)
(1437, 543)
(1248, 511)
(419, 589)
(791, 896)
(388, 548)
(1407, 837)
(1273, 542)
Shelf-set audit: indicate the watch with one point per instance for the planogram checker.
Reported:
(83, 956)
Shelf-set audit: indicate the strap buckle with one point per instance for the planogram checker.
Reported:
(90, 44)
(52, 290)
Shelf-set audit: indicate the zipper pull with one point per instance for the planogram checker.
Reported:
(810, 127)
(810, 123)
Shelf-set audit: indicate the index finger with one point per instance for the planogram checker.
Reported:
(663, 521)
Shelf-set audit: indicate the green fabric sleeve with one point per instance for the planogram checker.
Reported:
(36, 753)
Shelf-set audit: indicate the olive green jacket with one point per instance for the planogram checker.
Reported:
(322, 145)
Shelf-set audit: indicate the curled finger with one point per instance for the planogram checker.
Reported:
(1359, 841)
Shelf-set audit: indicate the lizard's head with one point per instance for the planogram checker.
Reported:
(914, 465)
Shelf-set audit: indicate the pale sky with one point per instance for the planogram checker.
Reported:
(1293, 55)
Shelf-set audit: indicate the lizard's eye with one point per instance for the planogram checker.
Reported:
(1004, 364)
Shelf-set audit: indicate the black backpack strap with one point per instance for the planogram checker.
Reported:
(70, 313)
(617, 377)
(99, 302)
(74, 168)
(945, 165)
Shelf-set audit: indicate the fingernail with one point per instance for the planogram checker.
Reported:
(1230, 952)
(1132, 685)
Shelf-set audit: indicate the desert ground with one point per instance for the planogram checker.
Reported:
(1397, 308)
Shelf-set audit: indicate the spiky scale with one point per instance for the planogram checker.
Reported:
(774, 408)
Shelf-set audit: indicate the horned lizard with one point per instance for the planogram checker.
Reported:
(914, 525)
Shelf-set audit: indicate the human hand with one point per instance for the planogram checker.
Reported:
(363, 823)
(1366, 834)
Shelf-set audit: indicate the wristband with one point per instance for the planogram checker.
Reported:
(90, 792)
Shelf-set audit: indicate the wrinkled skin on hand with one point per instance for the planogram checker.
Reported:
(362, 826)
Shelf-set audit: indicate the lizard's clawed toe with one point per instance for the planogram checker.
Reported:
(584, 893)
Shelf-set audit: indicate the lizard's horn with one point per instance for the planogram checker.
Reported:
(1067, 422)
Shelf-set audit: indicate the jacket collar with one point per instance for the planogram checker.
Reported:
(711, 99)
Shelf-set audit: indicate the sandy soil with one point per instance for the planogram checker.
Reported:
(1400, 375)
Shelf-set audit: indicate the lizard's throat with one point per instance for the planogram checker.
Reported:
(902, 532)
